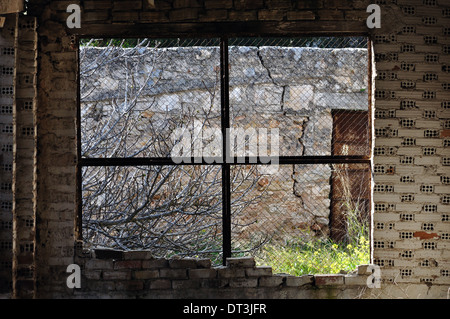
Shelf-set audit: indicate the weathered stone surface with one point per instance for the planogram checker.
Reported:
(240, 262)
(173, 273)
(243, 282)
(137, 255)
(226, 273)
(298, 281)
(128, 264)
(116, 275)
(99, 264)
(155, 263)
(182, 263)
(146, 274)
(355, 280)
(328, 280)
(160, 284)
(202, 273)
(260, 271)
(272, 281)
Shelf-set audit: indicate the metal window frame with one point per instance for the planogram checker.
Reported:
(225, 124)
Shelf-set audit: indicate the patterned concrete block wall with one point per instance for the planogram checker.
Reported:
(411, 159)
(411, 156)
(6, 151)
(18, 83)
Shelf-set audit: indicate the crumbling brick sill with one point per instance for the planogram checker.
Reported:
(112, 273)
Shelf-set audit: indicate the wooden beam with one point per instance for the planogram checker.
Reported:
(11, 6)
(192, 29)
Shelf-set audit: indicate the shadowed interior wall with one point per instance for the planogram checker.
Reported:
(411, 145)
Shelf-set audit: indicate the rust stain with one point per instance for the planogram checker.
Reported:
(147, 114)
(425, 235)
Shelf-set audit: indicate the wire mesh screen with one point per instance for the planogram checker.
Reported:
(134, 98)
(171, 210)
(164, 98)
(276, 84)
(303, 208)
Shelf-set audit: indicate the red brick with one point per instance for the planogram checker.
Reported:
(259, 271)
(126, 16)
(329, 280)
(173, 273)
(185, 284)
(425, 235)
(155, 263)
(231, 272)
(99, 264)
(240, 262)
(298, 281)
(127, 5)
(186, 4)
(97, 4)
(183, 263)
(135, 255)
(202, 273)
(280, 4)
(91, 16)
(341, 4)
(331, 15)
(160, 284)
(128, 264)
(273, 281)
(244, 282)
(146, 274)
(183, 14)
(204, 263)
(154, 16)
(308, 4)
(218, 4)
(116, 275)
(214, 15)
(248, 4)
(242, 15)
(130, 285)
(445, 133)
(301, 15)
(270, 15)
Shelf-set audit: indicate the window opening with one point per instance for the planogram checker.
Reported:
(225, 147)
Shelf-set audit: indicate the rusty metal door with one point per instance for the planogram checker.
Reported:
(350, 183)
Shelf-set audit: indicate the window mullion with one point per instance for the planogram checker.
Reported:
(225, 124)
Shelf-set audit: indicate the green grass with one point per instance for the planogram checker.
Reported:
(322, 255)
(318, 257)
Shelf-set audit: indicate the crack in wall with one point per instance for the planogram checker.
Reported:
(303, 130)
(258, 53)
(269, 74)
(283, 93)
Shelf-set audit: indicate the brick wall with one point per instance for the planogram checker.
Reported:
(117, 274)
(411, 158)
(24, 142)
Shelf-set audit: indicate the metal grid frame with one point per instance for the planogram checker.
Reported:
(225, 166)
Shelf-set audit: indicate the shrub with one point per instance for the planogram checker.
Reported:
(318, 257)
